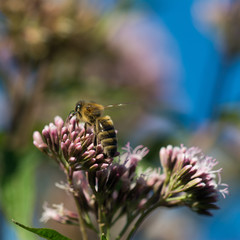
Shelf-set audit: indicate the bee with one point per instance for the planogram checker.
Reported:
(92, 114)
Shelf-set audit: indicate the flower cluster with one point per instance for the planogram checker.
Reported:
(117, 188)
(191, 178)
(71, 146)
(108, 189)
(122, 190)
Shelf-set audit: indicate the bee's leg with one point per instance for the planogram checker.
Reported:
(95, 140)
(96, 129)
(86, 127)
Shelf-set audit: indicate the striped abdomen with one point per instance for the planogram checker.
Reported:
(106, 135)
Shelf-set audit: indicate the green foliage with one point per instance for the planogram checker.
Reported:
(18, 191)
(44, 232)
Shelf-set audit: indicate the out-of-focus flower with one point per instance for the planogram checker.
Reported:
(58, 213)
(190, 176)
(144, 56)
(222, 18)
(70, 145)
(146, 61)
(40, 29)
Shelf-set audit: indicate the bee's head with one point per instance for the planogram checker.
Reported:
(78, 108)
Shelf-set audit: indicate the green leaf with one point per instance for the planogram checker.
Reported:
(44, 232)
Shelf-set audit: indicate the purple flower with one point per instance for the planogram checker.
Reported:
(38, 141)
(70, 145)
(135, 190)
(119, 187)
(191, 177)
(132, 156)
(122, 189)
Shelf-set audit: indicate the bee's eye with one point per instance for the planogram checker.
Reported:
(78, 107)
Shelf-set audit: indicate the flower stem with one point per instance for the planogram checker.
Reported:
(179, 198)
(81, 221)
(100, 221)
(80, 214)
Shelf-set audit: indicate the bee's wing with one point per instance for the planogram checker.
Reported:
(116, 105)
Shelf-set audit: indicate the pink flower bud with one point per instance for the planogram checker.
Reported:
(58, 122)
(37, 138)
(64, 150)
(64, 131)
(93, 167)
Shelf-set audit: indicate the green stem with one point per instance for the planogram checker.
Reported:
(100, 221)
(175, 199)
(81, 220)
(103, 226)
(165, 183)
(80, 214)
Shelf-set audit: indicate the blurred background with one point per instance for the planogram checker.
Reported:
(175, 62)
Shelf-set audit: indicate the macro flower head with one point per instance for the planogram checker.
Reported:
(108, 189)
(190, 176)
(71, 145)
